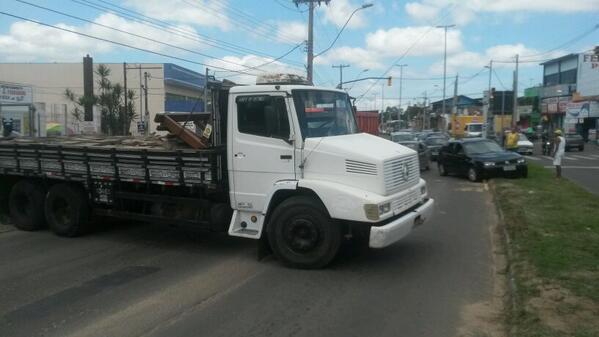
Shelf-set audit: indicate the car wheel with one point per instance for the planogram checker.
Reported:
(442, 170)
(473, 175)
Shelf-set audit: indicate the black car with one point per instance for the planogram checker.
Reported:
(435, 144)
(480, 159)
(423, 153)
(574, 141)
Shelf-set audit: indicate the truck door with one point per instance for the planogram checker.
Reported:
(262, 152)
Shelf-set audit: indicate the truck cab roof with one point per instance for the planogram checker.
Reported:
(278, 87)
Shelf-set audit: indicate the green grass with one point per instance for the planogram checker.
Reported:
(554, 227)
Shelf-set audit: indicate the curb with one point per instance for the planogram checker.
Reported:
(512, 286)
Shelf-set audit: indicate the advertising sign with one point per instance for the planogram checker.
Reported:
(588, 74)
(15, 94)
(582, 110)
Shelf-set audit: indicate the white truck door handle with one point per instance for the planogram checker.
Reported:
(239, 155)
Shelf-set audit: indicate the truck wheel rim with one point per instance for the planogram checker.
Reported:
(302, 235)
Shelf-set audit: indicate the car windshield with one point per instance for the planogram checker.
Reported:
(475, 127)
(402, 137)
(522, 138)
(324, 113)
(573, 135)
(413, 146)
(482, 147)
(436, 141)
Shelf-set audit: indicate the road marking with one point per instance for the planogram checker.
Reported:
(547, 157)
(594, 156)
(580, 157)
(577, 167)
(570, 158)
(532, 158)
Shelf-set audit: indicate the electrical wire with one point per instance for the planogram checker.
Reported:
(121, 44)
(297, 10)
(165, 26)
(499, 79)
(134, 34)
(273, 60)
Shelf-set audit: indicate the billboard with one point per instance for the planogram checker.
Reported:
(582, 110)
(14, 94)
(588, 74)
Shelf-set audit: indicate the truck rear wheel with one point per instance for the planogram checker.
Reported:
(26, 205)
(302, 235)
(67, 210)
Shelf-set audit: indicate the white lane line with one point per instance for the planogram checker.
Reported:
(547, 157)
(570, 158)
(532, 158)
(577, 167)
(580, 157)
(594, 156)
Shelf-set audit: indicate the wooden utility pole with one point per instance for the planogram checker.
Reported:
(341, 66)
(310, 43)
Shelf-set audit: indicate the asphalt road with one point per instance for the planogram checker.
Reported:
(580, 167)
(146, 280)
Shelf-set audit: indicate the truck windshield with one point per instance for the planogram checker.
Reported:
(475, 127)
(324, 113)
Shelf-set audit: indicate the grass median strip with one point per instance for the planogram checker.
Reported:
(554, 229)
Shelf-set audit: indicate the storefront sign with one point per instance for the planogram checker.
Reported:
(15, 94)
(582, 109)
(588, 74)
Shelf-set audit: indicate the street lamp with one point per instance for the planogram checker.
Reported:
(364, 6)
(357, 76)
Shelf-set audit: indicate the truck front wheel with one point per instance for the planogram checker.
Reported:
(26, 205)
(67, 210)
(302, 235)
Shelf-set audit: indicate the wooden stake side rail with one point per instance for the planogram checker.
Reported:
(180, 167)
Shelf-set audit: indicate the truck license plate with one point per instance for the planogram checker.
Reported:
(509, 168)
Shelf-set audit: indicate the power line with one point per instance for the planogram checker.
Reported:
(132, 34)
(273, 60)
(567, 43)
(165, 26)
(499, 79)
(297, 10)
(121, 44)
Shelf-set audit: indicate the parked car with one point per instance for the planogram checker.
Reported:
(402, 136)
(525, 146)
(479, 159)
(574, 141)
(435, 144)
(423, 153)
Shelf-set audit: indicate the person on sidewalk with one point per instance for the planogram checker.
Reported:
(511, 143)
(558, 153)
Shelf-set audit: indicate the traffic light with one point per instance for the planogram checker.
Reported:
(389, 81)
(492, 93)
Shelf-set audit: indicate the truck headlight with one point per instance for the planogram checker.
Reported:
(384, 208)
(489, 164)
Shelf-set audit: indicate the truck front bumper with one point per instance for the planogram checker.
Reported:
(383, 236)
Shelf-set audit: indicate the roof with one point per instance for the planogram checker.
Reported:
(274, 88)
(561, 58)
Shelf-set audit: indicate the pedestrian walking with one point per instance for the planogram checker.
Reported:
(511, 143)
(558, 152)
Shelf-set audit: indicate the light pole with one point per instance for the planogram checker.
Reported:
(444, 65)
(489, 97)
(310, 43)
(357, 76)
(401, 66)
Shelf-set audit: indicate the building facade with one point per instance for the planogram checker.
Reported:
(170, 88)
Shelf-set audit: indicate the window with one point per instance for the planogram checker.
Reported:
(264, 116)
(324, 113)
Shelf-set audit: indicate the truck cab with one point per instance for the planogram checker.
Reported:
(473, 130)
(301, 175)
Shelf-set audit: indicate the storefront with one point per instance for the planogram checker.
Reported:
(553, 110)
(16, 110)
(583, 118)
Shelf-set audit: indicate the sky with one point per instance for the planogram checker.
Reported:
(239, 39)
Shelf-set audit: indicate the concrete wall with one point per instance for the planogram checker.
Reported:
(50, 80)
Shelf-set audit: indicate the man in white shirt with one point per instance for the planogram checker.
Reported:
(558, 153)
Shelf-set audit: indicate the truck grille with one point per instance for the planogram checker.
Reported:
(359, 167)
(401, 173)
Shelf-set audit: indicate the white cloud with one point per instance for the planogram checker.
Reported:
(464, 11)
(360, 57)
(250, 61)
(295, 31)
(397, 41)
(28, 41)
(338, 11)
(209, 13)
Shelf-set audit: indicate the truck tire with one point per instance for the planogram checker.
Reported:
(26, 205)
(302, 235)
(67, 210)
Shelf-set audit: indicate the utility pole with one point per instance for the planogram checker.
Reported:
(455, 96)
(310, 44)
(206, 90)
(445, 65)
(515, 116)
(126, 105)
(147, 113)
(401, 66)
(383, 98)
(424, 112)
(341, 66)
(487, 107)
